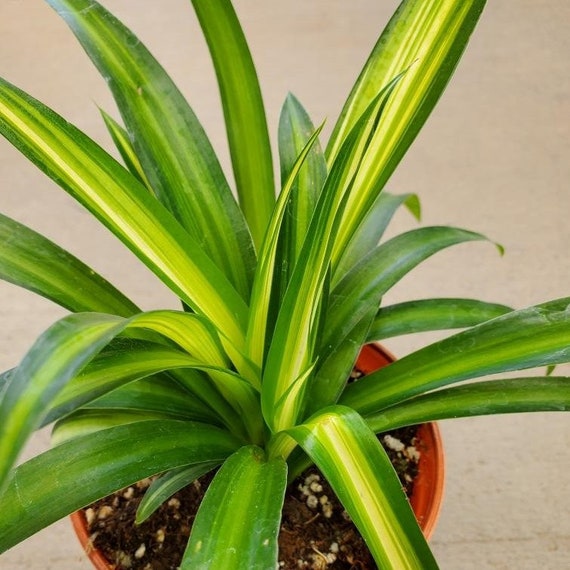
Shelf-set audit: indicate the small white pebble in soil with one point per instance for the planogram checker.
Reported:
(123, 559)
(413, 453)
(104, 512)
(174, 502)
(316, 487)
(330, 557)
(89, 516)
(160, 535)
(144, 483)
(393, 443)
(304, 489)
(312, 502)
(129, 493)
(140, 551)
(334, 547)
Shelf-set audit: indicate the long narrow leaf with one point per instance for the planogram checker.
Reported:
(165, 486)
(117, 367)
(119, 200)
(359, 471)
(170, 143)
(290, 355)
(515, 395)
(91, 467)
(372, 229)
(263, 288)
(355, 299)
(30, 260)
(242, 509)
(243, 111)
(537, 336)
(120, 137)
(432, 315)
(428, 37)
(56, 357)
(295, 129)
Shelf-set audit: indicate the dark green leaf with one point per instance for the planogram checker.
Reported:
(30, 260)
(432, 315)
(537, 336)
(91, 467)
(515, 395)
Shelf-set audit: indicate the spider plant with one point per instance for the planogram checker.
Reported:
(278, 290)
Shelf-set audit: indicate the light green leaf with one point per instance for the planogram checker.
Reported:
(426, 37)
(56, 357)
(514, 395)
(243, 111)
(242, 509)
(431, 315)
(259, 332)
(94, 466)
(30, 260)
(352, 460)
(170, 143)
(537, 336)
(121, 139)
(118, 366)
(118, 199)
(298, 322)
(163, 487)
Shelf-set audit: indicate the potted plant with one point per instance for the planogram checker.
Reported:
(279, 294)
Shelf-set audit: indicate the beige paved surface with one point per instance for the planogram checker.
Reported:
(494, 158)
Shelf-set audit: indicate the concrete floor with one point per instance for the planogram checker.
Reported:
(493, 158)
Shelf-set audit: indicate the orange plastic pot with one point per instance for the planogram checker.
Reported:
(426, 498)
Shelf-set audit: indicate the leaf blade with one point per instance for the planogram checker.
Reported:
(170, 143)
(357, 468)
(244, 112)
(96, 465)
(246, 483)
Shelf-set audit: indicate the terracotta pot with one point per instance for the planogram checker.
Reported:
(426, 498)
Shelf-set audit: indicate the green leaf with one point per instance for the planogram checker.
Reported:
(117, 366)
(94, 466)
(243, 111)
(356, 298)
(537, 336)
(56, 357)
(170, 143)
(432, 315)
(514, 395)
(30, 260)
(258, 332)
(118, 199)
(426, 37)
(295, 130)
(372, 228)
(163, 487)
(163, 393)
(242, 509)
(84, 422)
(120, 137)
(360, 473)
(291, 353)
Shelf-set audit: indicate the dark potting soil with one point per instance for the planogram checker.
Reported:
(316, 532)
